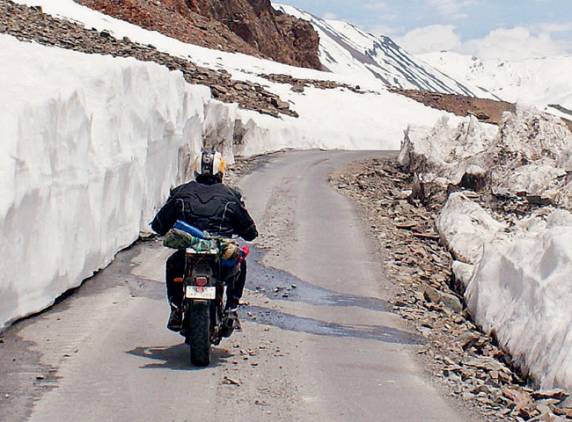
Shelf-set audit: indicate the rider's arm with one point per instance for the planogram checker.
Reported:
(168, 215)
(243, 222)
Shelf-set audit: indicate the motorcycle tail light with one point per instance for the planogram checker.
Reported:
(201, 281)
(245, 251)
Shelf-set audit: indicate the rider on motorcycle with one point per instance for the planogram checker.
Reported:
(211, 206)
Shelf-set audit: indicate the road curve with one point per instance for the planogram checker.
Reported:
(319, 341)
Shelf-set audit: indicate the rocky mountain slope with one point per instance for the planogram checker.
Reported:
(247, 26)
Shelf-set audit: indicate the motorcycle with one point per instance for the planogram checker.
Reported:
(210, 263)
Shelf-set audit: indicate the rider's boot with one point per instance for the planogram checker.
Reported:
(175, 319)
(231, 321)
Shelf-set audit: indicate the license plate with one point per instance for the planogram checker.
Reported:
(195, 292)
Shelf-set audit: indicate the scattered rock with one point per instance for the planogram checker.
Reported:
(230, 381)
(522, 400)
(468, 339)
(452, 302)
(431, 295)
(557, 394)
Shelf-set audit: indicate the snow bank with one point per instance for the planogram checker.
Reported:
(445, 153)
(529, 155)
(90, 147)
(516, 279)
(521, 291)
(466, 228)
(335, 119)
(517, 283)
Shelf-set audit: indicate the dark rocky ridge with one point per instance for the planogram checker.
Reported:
(248, 26)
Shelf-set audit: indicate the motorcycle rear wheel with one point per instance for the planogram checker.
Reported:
(199, 334)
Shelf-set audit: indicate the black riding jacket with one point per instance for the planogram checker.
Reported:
(210, 206)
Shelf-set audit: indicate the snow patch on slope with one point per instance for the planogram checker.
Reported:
(240, 66)
(353, 56)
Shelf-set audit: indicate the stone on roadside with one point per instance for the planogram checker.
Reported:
(452, 302)
(431, 295)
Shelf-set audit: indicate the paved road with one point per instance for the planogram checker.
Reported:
(319, 342)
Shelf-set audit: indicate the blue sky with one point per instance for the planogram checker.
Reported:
(546, 24)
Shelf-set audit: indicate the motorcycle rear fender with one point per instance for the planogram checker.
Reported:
(200, 266)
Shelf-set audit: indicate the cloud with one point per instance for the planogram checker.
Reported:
(451, 8)
(431, 38)
(557, 27)
(506, 43)
(515, 44)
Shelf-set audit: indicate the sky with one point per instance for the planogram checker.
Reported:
(487, 28)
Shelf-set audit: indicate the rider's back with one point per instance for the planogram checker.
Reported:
(212, 207)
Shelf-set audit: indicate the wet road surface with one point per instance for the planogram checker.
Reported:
(319, 342)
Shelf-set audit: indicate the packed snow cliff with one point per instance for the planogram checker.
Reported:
(528, 155)
(513, 261)
(91, 146)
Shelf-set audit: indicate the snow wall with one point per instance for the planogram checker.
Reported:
(516, 271)
(521, 291)
(517, 282)
(90, 147)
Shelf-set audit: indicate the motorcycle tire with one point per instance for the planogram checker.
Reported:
(199, 334)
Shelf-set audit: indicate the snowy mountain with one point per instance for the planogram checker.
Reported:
(347, 50)
(539, 81)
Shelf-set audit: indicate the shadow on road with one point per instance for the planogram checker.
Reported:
(176, 357)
